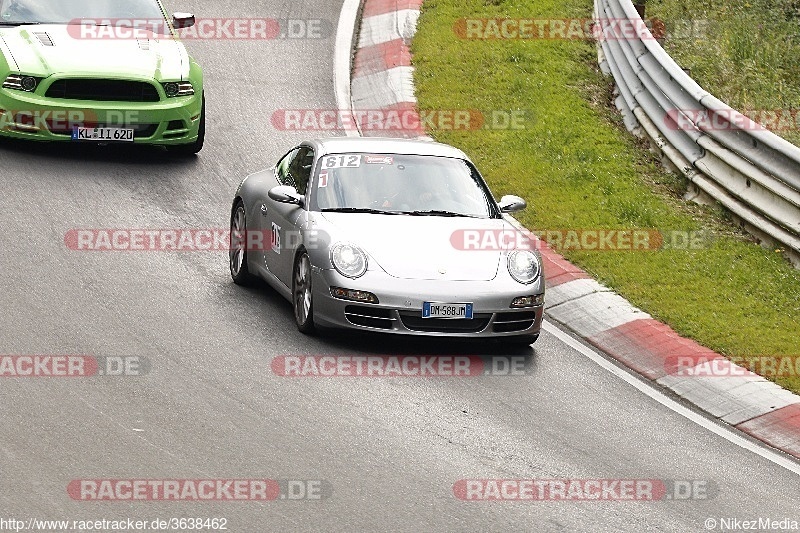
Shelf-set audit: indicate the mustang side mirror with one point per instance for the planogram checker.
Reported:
(285, 194)
(511, 203)
(183, 20)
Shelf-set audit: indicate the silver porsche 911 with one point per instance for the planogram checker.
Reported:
(359, 234)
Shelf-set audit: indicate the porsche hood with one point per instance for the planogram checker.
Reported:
(420, 247)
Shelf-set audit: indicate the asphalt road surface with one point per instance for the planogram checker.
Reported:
(388, 450)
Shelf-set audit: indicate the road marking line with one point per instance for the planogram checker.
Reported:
(728, 433)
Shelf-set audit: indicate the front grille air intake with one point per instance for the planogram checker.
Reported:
(369, 317)
(103, 90)
(513, 321)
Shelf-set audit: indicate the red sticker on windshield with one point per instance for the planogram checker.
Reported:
(379, 159)
(323, 179)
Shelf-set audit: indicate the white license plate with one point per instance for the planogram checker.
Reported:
(102, 134)
(446, 310)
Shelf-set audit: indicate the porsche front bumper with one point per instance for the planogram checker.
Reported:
(400, 305)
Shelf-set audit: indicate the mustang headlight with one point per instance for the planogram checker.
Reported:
(21, 83)
(176, 88)
(523, 266)
(349, 260)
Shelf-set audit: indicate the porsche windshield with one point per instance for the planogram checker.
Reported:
(74, 11)
(401, 184)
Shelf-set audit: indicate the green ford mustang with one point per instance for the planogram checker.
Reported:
(99, 71)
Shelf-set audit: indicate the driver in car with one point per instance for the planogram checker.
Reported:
(408, 195)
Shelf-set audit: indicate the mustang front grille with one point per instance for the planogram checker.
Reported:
(103, 90)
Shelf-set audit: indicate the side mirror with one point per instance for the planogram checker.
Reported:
(285, 194)
(511, 203)
(183, 20)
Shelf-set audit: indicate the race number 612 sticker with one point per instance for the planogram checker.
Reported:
(340, 161)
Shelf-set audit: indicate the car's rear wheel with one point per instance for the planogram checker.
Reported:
(301, 294)
(193, 147)
(238, 250)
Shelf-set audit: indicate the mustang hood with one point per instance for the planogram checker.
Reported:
(46, 49)
(422, 247)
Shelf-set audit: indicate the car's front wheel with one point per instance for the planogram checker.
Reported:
(301, 294)
(238, 247)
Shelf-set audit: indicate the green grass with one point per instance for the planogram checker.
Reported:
(745, 52)
(578, 168)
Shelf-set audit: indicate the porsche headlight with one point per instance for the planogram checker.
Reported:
(349, 260)
(523, 266)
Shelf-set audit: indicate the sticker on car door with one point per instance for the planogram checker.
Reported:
(275, 238)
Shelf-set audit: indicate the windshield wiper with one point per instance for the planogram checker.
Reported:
(11, 23)
(358, 210)
(437, 213)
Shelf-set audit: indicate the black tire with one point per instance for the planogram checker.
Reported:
(191, 149)
(238, 247)
(302, 303)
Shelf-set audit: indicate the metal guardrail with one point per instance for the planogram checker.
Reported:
(726, 157)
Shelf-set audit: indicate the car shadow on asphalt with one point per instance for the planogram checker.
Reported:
(388, 344)
(492, 357)
(142, 155)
